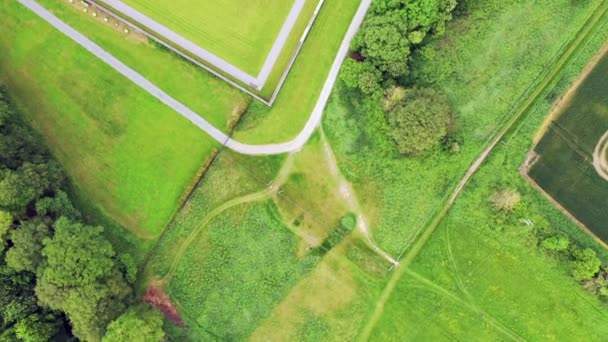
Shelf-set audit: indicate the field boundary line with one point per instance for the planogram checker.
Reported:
(218, 73)
(553, 115)
(179, 52)
(432, 286)
(547, 79)
(556, 204)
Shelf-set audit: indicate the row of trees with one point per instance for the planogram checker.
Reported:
(420, 118)
(58, 276)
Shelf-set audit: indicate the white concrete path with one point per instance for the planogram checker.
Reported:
(204, 54)
(219, 136)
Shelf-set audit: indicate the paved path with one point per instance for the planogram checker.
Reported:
(219, 136)
(218, 62)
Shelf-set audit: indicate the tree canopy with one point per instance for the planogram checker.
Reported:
(138, 324)
(585, 265)
(387, 37)
(81, 278)
(419, 121)
(50, 261)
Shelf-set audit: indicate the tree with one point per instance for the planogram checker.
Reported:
(505, 200)
(556, 243)
(383, 42)
(361, 75)
(419, 121)
(21, 186)
(6, 220)
(37, 328)
(142, 323)
(81, 278)
(57, 206)
(585, 265)
(26, 252)
(17, 299)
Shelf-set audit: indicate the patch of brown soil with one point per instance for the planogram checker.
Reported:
(156, 296)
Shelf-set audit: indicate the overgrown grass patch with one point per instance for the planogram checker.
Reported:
(485, 64)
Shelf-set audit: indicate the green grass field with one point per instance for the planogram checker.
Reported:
(210, 97)
(292, 108)
(241, 33)
(565, 165)
(129, 156)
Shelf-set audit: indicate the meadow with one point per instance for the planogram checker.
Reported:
(564, 168)
(495, 69)
(246, 237)
(240, 33)
(129, 157)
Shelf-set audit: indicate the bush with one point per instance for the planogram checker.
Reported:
(505, 200)
(556, 243)
(585, 265)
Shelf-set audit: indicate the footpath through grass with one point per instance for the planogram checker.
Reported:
(128, 155)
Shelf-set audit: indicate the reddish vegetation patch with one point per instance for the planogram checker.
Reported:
(159, 299)
(356, 55)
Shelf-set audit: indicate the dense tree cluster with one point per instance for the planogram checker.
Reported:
(380, 63)
(54, 267)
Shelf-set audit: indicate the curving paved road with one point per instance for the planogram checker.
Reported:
(219, 136)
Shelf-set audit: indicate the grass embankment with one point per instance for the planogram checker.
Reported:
(495, 65)
(565, 167)
(292, 108)
(241, 33)
(129, 156)
(210, 97)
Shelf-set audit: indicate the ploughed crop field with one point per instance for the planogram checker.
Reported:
(240, 32)
(565, 165)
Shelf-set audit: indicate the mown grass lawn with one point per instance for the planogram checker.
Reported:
(128, 155)
(240, 32)
(565, 168)
(292, 108)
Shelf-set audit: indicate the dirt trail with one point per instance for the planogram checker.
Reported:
(267, 193)
(600, 156)
(348, 194)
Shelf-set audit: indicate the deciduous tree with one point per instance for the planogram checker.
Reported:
(419, 121)
(138, 324)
